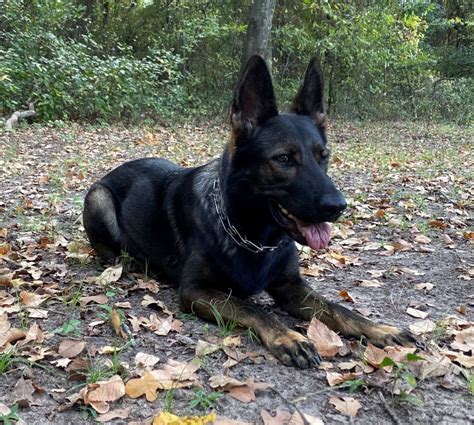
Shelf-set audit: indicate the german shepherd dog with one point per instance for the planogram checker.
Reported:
(226, 230)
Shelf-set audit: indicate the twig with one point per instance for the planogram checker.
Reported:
(305, 421)
(389, 410)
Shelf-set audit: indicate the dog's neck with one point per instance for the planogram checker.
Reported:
(248, 214)
(232, 229)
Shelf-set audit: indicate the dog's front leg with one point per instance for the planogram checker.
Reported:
(288, 346)
(300, 300)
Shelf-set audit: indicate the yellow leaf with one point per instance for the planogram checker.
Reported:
(147, 385)
(165, 418)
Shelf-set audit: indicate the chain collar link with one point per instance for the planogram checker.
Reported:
(230, 228)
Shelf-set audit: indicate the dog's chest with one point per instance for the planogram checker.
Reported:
(248, 277)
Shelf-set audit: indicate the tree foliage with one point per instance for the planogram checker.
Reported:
(117, 59)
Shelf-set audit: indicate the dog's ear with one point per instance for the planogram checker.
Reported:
(254, 99)
(309, 99)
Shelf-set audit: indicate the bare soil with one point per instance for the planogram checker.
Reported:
(402, 181)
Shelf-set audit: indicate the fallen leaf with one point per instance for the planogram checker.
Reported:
(369, 283)
(425, 286)
(327, 342)
(70, 348)
(417, 313)
(204, 348)
(232, 341)
(146, 360)
(110, 275)
(97, 299)
(422, 239)
(346, 296)
(346, 405)
(335, 378)
(422, 327)
(98, 395)
(147, 385)
(116, 321)
(30, 299)
(282, 417)
(374, 355)
(23, 392)
(166, 418)
(464, 340)
(242, 391)
(114, 414)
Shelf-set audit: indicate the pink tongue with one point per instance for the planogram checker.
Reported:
(317, 235)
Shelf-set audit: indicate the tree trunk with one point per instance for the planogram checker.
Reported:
(258, 39)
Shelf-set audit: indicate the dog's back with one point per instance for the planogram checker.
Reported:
(137, 190)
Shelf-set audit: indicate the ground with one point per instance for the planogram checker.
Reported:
(402, 255)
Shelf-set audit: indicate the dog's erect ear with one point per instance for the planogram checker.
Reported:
(254, 99)
(309, 100)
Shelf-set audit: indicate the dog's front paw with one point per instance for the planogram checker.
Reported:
(293, 349)
(383, 335)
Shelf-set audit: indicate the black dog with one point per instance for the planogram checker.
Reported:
(225, 230)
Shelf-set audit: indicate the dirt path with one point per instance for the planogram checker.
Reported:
(405, 244)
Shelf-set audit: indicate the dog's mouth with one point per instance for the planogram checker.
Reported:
(316, 235)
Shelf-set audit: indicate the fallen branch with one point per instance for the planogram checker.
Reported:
(17, 116)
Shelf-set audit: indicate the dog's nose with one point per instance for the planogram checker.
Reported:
(332, 206)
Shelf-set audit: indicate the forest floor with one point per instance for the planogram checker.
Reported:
(80, 341)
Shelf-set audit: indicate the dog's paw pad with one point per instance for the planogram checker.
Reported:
(293, 349)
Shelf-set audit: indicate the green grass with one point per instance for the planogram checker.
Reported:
(6, 360)
(205, 401)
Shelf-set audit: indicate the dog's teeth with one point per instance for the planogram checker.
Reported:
(283, 210)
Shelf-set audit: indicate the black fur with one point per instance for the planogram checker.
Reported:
(166, 215)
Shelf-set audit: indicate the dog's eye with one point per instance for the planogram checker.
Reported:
(282, 159)
(325, 153)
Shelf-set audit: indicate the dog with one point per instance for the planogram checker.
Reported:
(227, 230)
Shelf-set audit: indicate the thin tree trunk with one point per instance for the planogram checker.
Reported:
(258, 39)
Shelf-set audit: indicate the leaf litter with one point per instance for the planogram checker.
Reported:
(389, 254)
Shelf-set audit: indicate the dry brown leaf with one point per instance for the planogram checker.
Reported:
(97, 299)
(116, 321)
(242, 391)
(37, 313)
(30, 299)
(114, 414)
(422, 327)
(282, 417)
(147, 385)
(434, 365)
(6, 279)
(232, 341)
(23, 392)
(417, 313)
(70, 348)
(335, 378)
(149, 301)
(344, 294)
(98, 395)
(464, 340)
(422, 239)
(204, 348)
(110, 275)
(327, 342)
(225, 421)
(374, 355)
(425, 286)
(369, 283)
(346, 405)
(144, 360)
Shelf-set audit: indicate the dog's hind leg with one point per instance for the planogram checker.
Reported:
(100, 222)
(300, 300)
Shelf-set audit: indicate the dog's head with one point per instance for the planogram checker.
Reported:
(283, 158)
